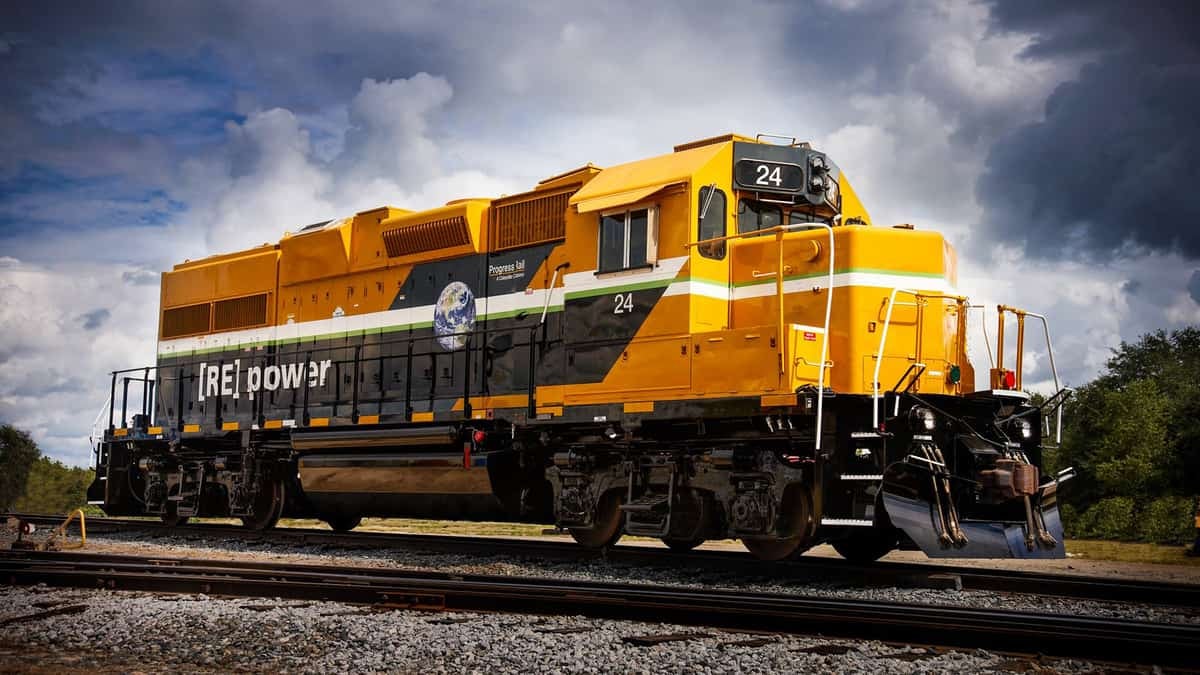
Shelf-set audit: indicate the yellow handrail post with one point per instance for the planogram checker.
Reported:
(1020, 347)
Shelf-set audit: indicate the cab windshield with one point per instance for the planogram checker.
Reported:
(754, 215)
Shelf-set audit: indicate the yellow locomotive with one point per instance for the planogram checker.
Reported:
(707, 344)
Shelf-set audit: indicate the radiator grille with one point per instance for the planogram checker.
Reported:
(430, 236)
(524, 221)
(244, 312)
(189, 320)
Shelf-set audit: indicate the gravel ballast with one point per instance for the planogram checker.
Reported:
(603, 570)
(126, 631)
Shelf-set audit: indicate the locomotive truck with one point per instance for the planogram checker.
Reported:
(712, 343)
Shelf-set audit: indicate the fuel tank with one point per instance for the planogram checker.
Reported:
(413, 473)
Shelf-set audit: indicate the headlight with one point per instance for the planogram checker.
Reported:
(922, 418)
(1023, 427)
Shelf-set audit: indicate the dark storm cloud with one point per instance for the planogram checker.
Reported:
(1194, 286)
(1112, 168)
(137, 89)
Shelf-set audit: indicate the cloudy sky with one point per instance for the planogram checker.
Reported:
(1056, 144)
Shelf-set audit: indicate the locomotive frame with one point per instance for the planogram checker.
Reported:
(646, 349)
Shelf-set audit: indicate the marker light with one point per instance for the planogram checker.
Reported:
(954, 375)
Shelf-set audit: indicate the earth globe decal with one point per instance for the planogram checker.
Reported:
(454, 316)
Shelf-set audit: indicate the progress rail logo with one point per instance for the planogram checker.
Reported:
(228, 380)
(507, 271)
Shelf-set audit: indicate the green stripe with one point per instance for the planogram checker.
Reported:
(532, 310)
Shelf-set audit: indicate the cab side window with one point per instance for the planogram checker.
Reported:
(755, 215)
(628, 239)
(711, 222)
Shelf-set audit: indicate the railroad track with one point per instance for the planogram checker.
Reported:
(735, 565)
(1050, 634)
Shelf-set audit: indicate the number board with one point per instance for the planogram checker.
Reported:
(764, 175)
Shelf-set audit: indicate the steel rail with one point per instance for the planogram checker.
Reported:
(1051, 634)
(733, 564)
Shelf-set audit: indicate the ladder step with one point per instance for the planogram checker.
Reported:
(656, 504)
(865, 434)
(862, 476)
(850, 522)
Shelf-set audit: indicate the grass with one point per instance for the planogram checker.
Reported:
(1121, 551)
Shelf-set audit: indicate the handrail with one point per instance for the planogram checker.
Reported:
(1020, 313)
(755, 233)
(962, 299)
(550, 290)
(919, 367)
(987, 340)
(343, 365)
(95, 438)
(824, 338)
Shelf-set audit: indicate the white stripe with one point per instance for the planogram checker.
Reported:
(844, 279)
(706, 289)
(665, 269)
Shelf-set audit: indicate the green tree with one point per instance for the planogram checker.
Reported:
(18, 452)
(1172, 362)
(1133, 434)
(54, 487)
(1117, 441)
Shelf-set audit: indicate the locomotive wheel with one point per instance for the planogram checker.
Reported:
(799, 505)
(867, 546)
(606, 529)
(766, 548)
(681, 545)
(342, 523)
(267, 509)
